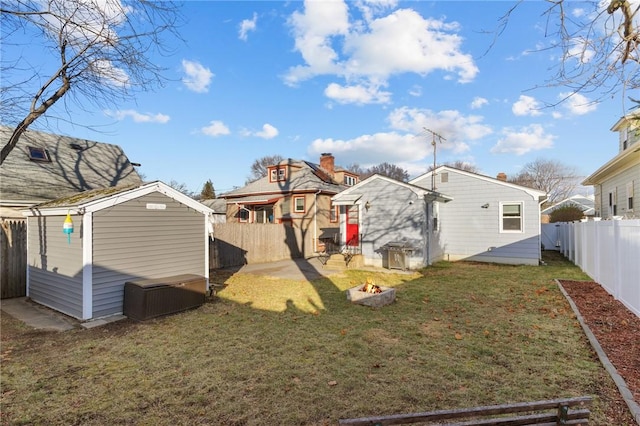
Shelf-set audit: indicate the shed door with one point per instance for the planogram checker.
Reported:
(352, 226)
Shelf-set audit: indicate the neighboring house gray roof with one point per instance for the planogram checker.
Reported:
(76, 165)
(309, 177)
(585, 203)
(218, 205)
(351, 195)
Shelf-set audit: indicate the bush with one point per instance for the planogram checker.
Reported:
(566, 214)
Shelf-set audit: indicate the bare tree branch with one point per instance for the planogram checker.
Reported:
(103, 50)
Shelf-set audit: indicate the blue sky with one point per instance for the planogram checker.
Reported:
(359, 79)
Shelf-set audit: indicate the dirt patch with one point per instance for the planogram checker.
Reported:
(616, 328)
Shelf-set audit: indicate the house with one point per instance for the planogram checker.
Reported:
(488, 220)
(45, 166)
(387, 218)
(617, 183)
(294, 193)
(585, 203)
(119, 234)
(219, 208)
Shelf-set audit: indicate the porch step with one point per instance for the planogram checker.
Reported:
(339, 262)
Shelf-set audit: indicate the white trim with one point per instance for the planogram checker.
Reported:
(501, 217)
(534, 193)
(207, 224)
(87, 266)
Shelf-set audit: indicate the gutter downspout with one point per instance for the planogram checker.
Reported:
(427, 231)
(541, 200)
(315, 221)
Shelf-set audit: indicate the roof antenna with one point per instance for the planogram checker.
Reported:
(433, 143)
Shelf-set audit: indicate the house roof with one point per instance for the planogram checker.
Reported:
(218, 205)
(623, 161)
(76, 165)
(585, 203)
(352, 195)
(306, 177)
(534, 193)
(98, 199)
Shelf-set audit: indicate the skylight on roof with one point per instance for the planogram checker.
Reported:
(38, 154)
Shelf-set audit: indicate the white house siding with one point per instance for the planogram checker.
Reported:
(468, 231)
(132, 241)
(618, 184)
(396, 214)
(55, 265)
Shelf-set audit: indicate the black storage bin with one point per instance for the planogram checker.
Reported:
(150, 298)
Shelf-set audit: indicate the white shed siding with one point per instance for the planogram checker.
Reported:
(55, 265)
(466, 230)
(131, 241)
(396, 214)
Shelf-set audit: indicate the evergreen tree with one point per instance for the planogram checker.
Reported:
(208, 193)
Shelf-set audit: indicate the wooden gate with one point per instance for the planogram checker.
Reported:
(13, 252)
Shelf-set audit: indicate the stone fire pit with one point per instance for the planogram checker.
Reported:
(361, 296)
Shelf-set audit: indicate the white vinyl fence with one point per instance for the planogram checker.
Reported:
(608, 251)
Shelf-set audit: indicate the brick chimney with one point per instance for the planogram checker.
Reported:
(502, 176)
(327, 163)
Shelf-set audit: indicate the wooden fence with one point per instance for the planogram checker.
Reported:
(13, 255)
(237, 244)
(608, 251)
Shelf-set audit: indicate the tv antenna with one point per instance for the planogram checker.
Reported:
(434, 135)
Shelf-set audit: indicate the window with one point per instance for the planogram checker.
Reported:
(243, 214)
(511, 217)
(38, 154)
(350, 180)
(277, 174)
(613, 208)
(630, 196)
(333, 213)
(298, 204)
(263, 214)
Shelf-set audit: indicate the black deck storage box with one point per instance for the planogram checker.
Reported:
(150, 298)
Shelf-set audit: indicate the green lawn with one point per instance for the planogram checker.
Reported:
(277, 352)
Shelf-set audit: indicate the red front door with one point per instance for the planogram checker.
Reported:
(352, 226)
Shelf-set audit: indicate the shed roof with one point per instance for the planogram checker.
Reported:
(76, 165)
(102, 198)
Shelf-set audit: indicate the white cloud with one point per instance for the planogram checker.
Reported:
(524, 140)
(375, 49)
(406, 144)
(457, 129)
(197, 77)
(478, 102)
(577, 104)
(247, 25)
(138, 117)
(357, 94)
(415, 90)
(215, 128)
(268, 132)
(526, 105)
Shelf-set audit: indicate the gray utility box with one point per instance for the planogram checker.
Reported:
(150, 298)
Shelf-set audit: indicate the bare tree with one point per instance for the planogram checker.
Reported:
(101, 50)
(260, 166)
(386, 169)
(460, 165)
(558, 180)
(180, 186)
(600, 46)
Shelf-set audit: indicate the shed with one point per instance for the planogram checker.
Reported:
(120, 234)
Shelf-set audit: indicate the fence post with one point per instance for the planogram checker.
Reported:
(617, 256)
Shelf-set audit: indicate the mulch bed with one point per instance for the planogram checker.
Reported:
(614, 325)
